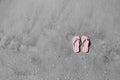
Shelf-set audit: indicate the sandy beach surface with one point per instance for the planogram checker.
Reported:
(35, 39)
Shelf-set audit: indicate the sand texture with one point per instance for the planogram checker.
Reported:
(35, 39)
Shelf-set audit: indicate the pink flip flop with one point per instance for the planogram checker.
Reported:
(76, 44)
(85, 44)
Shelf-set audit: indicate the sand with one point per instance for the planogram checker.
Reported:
(35, 39)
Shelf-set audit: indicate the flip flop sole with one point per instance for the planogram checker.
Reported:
(85, 44)
(76, 44)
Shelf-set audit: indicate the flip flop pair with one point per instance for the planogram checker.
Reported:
(76, 44)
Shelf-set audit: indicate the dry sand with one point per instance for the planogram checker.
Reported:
(35, 39)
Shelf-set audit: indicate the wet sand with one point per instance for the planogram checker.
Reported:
(35, 39)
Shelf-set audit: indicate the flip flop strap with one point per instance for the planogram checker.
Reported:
(84, 41)
(75, 41)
